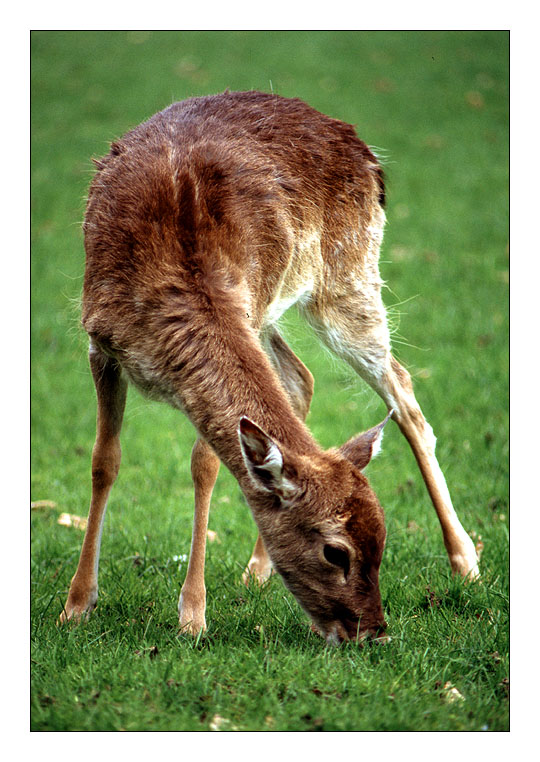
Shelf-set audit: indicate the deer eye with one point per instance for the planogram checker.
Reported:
(337, 557)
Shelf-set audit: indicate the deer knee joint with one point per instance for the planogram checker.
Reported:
(104, 471)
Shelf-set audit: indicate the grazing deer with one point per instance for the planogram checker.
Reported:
(203, 225)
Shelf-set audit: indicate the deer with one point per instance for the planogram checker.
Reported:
(203, 225)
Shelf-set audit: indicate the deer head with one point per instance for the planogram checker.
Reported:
(323, 528)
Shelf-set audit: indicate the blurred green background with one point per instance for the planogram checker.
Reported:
(434, 105)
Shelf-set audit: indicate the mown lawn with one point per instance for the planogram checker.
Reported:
(435, 104)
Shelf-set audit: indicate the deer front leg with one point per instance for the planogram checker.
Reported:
(192, 602)
(111, 398)
(259, 566)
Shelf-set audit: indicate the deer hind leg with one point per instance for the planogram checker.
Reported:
(356, 330)
(192, 602)
(298, 383)
(111, 390)
(396, 385)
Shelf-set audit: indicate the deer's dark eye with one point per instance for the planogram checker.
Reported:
(337, 557)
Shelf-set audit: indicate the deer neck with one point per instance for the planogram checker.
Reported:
(221, 374)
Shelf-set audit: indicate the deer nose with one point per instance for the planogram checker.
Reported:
(376, 634)
(340, 632)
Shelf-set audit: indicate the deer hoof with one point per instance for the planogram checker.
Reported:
(257, 571)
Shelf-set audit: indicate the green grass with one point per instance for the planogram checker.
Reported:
(436, 105)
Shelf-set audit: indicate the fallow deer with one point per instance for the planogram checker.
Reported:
(203, 225)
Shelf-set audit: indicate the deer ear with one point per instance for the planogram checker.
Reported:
(360, 449)
(264, 461)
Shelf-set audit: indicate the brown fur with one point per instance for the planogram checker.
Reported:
(202, 225)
